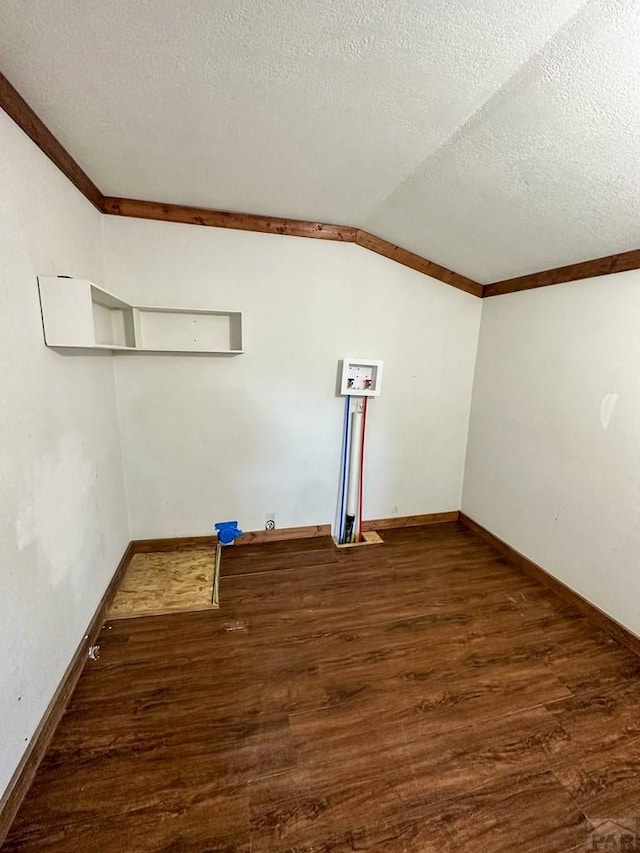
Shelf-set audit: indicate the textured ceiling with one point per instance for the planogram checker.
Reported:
(496, 137)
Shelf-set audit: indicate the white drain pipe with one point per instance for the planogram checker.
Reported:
(354, 472)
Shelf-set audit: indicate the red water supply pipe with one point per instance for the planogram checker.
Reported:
(364, 427)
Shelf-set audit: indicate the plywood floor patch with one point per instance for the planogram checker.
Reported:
(165, 582)
(369, 537)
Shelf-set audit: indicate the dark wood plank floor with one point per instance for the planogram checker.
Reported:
(417, 696)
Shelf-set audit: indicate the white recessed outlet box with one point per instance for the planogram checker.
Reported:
(361, 377)
(77, 314)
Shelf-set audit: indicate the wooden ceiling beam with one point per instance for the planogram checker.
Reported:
(621, 262)
(416, 262)
(291, 227)
(227, 219)
(24, 116)
(19, 110)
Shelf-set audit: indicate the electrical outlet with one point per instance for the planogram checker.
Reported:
(270, 523)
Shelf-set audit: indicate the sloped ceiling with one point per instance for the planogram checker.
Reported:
(495, 137)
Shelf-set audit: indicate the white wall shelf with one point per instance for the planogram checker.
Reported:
(79, 315)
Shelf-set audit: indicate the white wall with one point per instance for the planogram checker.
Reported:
(553, 463)
(212, 438)
(63, 525)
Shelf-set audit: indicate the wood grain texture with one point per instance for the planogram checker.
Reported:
(623, 635)
(410, 520)
(415, 262)
(424, 696)
(284, 534)
(182, 543)
(226, 219)
(26, 770)
(19, 110)
(621, 262)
